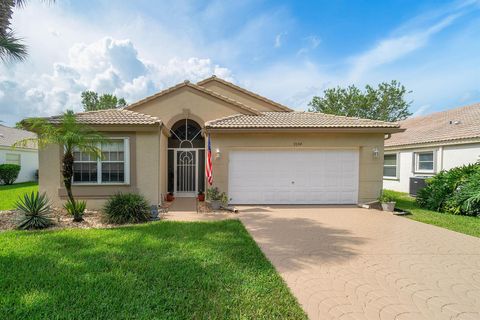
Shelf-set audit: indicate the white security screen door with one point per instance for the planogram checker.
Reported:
(186, 174)
(294, 177)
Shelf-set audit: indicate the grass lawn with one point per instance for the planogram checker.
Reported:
(161, 270)
(463, 224)
(9, 194)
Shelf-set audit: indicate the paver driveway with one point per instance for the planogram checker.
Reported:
(352, 263)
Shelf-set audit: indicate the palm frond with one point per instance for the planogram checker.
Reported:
(68, 133)
(12, 48)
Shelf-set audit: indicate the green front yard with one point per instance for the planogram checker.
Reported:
(9, 194)
(463, 224)
(159, 270)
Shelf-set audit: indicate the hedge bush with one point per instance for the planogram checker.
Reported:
(9, 173)
(452, 191)
(127, 208)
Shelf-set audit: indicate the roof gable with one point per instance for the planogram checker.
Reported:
(187, 84)
(455, 124)
(241, 94)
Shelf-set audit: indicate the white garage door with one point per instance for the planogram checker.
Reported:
(293, 177)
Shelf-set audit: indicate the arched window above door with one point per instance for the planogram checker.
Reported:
(187, 134)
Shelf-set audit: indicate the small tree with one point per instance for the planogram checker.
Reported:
(92, 101)
(70, 134)
(387, 102)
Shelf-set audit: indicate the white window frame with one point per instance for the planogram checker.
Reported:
(397, 166)
(417, 162)
(14, 154)
(126, 168)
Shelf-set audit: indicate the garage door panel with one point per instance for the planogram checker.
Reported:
(319, 177)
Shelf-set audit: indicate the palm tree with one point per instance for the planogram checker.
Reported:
(68, 133)
(11, 47)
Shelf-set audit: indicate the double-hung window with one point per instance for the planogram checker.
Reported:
(110, 168)
(13, 158)
(424, 162)
(390, 166)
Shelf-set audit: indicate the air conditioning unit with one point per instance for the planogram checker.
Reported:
(417, 183)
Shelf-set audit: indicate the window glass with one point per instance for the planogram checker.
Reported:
(84, 167)
(390, 165)
(425, 157)
(13, 158)
(425, 161)
(113, 161)
(110, 168)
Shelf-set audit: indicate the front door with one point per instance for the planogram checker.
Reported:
(186, 172)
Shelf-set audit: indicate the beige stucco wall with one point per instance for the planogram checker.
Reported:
(202, 107)
(239, 96)
(144, 172)
(370, 171)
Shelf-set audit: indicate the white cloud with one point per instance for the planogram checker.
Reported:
(311, 43)
(391, 49)
(279, 39)
(105, 66)
(422, 110)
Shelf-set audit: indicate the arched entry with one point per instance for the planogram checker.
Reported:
(186, 159)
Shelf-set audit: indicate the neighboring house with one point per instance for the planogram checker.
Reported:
(431, 143)
(26, 157)
(263, 152)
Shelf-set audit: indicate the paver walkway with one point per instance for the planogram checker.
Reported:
(352, 263)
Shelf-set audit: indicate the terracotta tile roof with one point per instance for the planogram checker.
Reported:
(187, 83)
(8, 136)
(247, 92)
(111, 117)
(297, 119)
(456, 124)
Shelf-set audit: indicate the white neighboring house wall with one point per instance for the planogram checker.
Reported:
(28, 161)
(445, 157)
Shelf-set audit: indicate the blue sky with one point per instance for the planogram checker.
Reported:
(285, 50)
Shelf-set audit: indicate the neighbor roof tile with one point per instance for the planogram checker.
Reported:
(8, 136)
(456, 124)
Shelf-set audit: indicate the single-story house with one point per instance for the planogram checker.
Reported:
(430, 144)
(26, 157)
(262, 151)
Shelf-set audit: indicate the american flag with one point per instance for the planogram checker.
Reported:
(209, 168)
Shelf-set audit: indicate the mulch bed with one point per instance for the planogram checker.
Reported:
(61, 220)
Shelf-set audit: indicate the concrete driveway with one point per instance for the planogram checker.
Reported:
(352, 263)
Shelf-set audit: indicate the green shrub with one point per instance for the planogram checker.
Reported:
(387, 196)
(441, 187)
(214, 194)
(76, 209)
(9, 173)
(127, 208)
(34, 210)
(465, 200)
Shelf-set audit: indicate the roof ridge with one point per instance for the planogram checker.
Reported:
(297, 119)
(187, 83)
(246, 91)
(348, 117)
